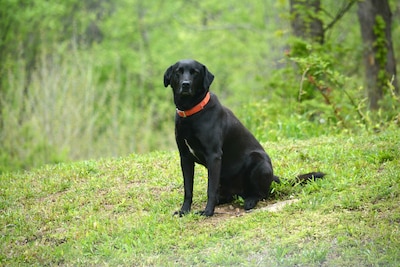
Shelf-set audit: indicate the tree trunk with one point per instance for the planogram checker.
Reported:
(305, 23)
(379, 60)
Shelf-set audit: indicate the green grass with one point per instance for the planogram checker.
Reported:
(119, 211)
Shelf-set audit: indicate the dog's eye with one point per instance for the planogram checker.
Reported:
(178, 71)
(194, 71)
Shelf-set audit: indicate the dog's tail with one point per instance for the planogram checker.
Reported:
(276, 179)
(303, 178)
(311, 176)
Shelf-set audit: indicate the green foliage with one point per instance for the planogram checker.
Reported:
(380, 46)
(83, 79)
(321, 77)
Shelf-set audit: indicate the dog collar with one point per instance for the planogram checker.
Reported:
(200, 106)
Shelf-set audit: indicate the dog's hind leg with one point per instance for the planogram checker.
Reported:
(250, 202)
(258, 185)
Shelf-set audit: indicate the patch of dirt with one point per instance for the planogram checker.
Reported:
(235, 210)
(278, 205)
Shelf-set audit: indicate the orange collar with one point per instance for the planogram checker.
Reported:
(195, 109)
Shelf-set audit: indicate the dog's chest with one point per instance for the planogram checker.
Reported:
(192, 138)
(190, 149)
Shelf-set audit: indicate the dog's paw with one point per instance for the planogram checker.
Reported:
(205, 213)
(180, 213)
(250, 203)
(176, 213)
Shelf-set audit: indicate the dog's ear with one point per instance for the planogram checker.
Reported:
(208, 78)
(167, 76)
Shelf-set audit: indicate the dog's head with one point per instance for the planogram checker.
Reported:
(189, 79)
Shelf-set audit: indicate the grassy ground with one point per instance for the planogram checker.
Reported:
(119, 211)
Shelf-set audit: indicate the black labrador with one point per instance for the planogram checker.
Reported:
(208, 133)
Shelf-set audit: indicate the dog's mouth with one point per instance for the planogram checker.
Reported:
(185, 88)
(185, 92)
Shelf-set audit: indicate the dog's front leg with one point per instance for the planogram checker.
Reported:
(214, 173)
(187, 166)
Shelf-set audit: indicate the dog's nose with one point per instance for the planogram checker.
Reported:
(186, 85)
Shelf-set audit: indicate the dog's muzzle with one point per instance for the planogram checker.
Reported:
(186, 88)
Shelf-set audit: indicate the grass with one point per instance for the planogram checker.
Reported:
(69, 115)
(118, 211)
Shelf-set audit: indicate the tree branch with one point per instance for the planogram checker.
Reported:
(324, 92)
(340, 14)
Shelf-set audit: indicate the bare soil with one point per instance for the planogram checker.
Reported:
(235, 210)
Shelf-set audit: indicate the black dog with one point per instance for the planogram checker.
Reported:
(208, 133)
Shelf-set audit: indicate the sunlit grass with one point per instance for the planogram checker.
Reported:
(118, 211)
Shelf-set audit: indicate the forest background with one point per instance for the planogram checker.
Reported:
(83, 79)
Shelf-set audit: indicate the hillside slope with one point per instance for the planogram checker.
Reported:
(119, 211)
